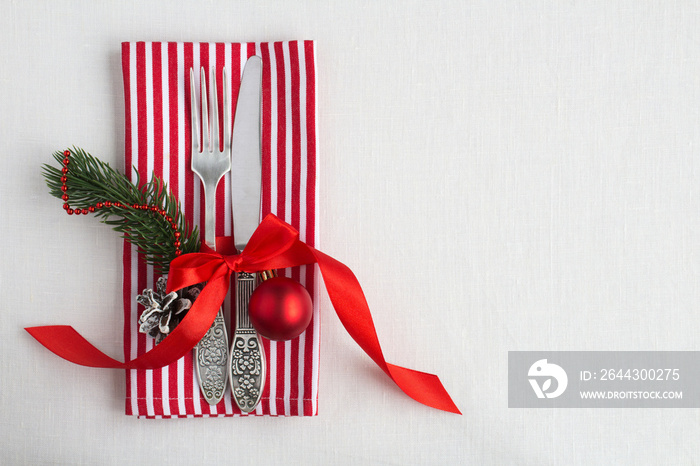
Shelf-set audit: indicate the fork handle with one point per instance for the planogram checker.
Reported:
(211, 353)
(209, 218)
(211, 356)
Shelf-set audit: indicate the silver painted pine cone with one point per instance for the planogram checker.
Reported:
(164, 310)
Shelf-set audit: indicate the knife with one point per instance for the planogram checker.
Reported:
(247, 366)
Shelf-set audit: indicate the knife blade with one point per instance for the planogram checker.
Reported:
(247, 365)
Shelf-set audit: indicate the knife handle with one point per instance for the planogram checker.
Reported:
(211, 354)
(247, 363)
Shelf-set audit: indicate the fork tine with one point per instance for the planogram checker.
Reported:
(215, 110)
(205, 112)
(227, 112)
(194, 112)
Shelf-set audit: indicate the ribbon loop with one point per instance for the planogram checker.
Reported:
(274, 244)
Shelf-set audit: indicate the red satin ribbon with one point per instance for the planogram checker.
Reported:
(274, 245)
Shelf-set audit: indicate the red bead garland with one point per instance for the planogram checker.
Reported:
(115, 204)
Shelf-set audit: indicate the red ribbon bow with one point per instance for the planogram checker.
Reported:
(274, 245)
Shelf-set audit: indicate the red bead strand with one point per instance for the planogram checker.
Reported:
(115, 204)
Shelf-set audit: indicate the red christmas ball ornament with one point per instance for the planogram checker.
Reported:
(280, 309)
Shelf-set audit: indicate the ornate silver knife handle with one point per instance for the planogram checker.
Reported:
(247, 358)
(211, 354)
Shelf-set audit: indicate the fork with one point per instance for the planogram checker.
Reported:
(211, 164)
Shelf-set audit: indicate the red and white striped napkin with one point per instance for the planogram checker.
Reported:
(156, 92)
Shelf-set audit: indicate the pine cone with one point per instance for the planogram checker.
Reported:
(165, 310)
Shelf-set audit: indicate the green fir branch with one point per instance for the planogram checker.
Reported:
(90, 181)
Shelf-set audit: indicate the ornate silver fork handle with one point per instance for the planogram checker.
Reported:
(211, 353)
(247, 364)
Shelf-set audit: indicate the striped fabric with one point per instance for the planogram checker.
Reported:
(156, 92)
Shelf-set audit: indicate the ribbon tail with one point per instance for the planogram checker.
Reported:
(423, 387)
(353, 311)
(66, 342)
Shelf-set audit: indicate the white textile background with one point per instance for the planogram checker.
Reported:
(499, 175)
